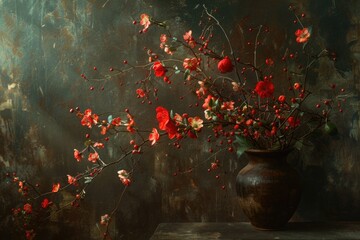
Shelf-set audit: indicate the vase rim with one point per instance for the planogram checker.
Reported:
(257, 150)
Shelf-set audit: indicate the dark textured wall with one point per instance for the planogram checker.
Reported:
(46, 45)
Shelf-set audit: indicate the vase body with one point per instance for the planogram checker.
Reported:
(269, 189)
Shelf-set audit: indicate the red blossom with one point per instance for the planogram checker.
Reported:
(77, 155)
(264, 89)
(145, 21)
(98, 145)
(71, 180)
(130, 124)
(165, 123)
(154, 136)
(191, 63)
(163, 38)
(196, 123)
(27, 208)
(162, 115)
(116, 122)
(225, 65)
(228, 105)
(89, 119)
(207, 103)
(189, 39)
(93, 157)
(191, 134)
(140, 93)
(104, 129)
(45, 203)
(105, 219)
(302, 35)
(124, 177)
(269, 62)
(55, 187)
(159, 69)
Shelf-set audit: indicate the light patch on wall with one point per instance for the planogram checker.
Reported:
(5, 163)
(12, 86)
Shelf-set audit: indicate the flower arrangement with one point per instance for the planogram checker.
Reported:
(246, 101)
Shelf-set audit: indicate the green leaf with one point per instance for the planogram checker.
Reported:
(110, 118)
(241, 144)
(171, 114)
(88, 180)
(331, 129)
(186, 74)
(298, 145)
(177, 70)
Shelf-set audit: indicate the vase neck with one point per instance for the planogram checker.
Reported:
(267, 156)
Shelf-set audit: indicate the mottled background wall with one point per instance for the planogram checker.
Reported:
(46, 45)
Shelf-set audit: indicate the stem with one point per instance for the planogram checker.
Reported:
(255, 51)
(227, 39)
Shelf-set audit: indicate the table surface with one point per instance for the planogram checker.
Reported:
(245, 231)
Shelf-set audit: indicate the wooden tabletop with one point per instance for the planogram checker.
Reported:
(245, 231)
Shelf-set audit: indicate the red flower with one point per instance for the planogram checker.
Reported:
(208, 103)
(165, 123)
(124, 177)
(228, 105)
(154, 136)
(71, 180)
(130, 124)
(140, 93)
(105, 219)
(225, 65)
(162, 115)
(163, 38)
(89, 119)
(191, 134)
(196, 123)
(145, 21)
(264, 89)
(116, 122)
(189, 39)
(27, 208)
(45, 203)
(159, 69)
(191, 63)
(269, 62)
(104, 129)
(98, 145)
(56, 187)
(93, 157)
(302, 35)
